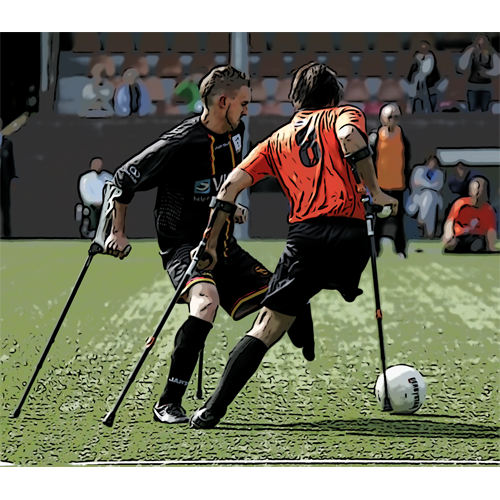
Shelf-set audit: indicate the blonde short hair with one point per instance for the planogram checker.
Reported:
(221, 79)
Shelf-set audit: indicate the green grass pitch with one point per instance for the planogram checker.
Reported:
(441, 315)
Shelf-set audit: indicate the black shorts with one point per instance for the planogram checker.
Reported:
(328, 253)
(240, 279)
(469, 243)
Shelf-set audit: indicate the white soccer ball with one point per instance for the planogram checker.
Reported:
(406, 386)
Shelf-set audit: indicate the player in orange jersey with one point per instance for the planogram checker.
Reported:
(327, 245)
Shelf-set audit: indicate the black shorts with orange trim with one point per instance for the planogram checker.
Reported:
(241, 280)
(325, 253)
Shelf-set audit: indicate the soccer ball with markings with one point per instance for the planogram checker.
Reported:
(406, 386)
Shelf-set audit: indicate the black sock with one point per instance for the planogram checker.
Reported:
(243, 362)
(189, 341)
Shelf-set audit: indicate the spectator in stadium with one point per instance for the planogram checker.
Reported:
(483, 63)
(97, 96)
(471, 224)
(90, 188)
(391, 156)
(8, 172)
(459, 180)
(424, 75)
(132, 96)
(425, 200)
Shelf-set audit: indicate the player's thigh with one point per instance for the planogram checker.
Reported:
(242, 282)
(349, 250)
(298, 275)
(176, 263)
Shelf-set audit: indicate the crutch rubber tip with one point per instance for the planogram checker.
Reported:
(199, 395)
(387, 405)
(109, 419)
(15, 413)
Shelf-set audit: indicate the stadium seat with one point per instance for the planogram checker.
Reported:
(202, 62)
(373, 65)
(137, 61)
(403, 64)
(300, 60)
(257, 42)
(283, 90)
(155, 88)
(106, 60)
(168, 85)
(457, 89)
(285, 42)
(86, 43)
(340, 63)
(456, 41)
(319, 42)
(390, 90)
(446, 63)
(373, 86)
(218, 42)
(271, 108)
(271, 65)
(169, 66)
(270, 86)
(259, 93)
(119, 42)
(354, 42)
(153, 43)
(186, 42)
(356, 91)
(388, 42)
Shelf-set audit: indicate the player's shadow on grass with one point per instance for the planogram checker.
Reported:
(378, 427)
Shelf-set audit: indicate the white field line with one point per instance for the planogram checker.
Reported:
(292, 462)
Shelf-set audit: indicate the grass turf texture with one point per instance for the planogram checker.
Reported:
(441, 315)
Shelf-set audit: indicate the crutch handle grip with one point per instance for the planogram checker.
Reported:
(382, 212)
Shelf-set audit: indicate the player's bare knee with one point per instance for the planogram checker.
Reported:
(204, 301)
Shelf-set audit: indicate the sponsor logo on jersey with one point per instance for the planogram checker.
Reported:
(261, 270)
(202, 187)
(237, 142)
(221, 146)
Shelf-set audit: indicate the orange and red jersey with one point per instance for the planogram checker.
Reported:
(391, 160)
(306, 157)
(468, 219)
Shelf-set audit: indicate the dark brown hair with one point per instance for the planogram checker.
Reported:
(221, 78)
(315, 85)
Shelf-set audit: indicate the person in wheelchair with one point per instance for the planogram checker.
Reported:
(90, 189)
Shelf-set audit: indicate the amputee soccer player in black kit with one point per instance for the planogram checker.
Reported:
(188, 165)
(327, 245)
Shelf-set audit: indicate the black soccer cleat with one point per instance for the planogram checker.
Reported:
(170, 414)
(203, 419)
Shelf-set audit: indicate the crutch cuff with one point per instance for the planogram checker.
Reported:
(225, 206)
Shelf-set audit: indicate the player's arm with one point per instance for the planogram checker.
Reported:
(352, 141)
(255, 167)
(449, 240)
(225, 207)
(141, 173)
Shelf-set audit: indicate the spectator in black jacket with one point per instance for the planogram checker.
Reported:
(391, 156)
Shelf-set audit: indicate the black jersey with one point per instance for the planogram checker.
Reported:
(188, 165)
